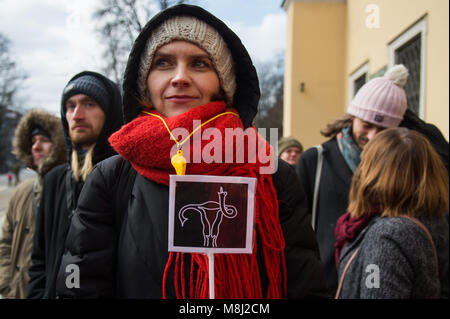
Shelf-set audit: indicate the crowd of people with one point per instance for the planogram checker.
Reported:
(363, 215)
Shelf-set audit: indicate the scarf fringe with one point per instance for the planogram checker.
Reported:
(237, 276)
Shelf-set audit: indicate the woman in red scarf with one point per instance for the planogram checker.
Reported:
(187, 67)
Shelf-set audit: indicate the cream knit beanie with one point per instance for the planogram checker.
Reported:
(198, 32)
(382, 100)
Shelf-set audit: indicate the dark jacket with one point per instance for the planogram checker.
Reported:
(335, 182)
(413, 122)
(127, 260)
(16, 240)
(59, 200)
(396, 260)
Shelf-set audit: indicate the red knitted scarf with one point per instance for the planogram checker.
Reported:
(146, 143)
(348, 228)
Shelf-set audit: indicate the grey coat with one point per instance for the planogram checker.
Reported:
(401, 253)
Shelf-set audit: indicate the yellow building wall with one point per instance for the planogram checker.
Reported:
(396, 16)
(315, 56)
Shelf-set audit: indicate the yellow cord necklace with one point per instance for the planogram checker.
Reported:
(178, 161)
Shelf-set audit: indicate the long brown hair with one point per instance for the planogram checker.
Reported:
(400, 171)
(335, 126)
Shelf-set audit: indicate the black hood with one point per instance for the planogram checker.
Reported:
(434, 135)
(247, 93)
(113, 119)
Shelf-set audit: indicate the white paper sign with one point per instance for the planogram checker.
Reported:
(211, 214)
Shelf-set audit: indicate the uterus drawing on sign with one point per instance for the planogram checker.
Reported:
(211, 215)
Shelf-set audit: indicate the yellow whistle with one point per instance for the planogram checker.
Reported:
(179, 163)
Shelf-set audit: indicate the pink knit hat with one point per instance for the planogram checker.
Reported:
(382, 101)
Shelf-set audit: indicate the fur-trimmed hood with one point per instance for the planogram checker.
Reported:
(22, 140)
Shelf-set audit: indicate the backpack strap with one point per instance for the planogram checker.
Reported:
(341, 280)
(317, 184)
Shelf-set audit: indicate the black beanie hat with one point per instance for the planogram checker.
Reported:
(90, 86)
(37, 130)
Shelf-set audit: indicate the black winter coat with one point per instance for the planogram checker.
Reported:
(334, 188)
(434, 135)
(128, 260)
(59, 199)
(52, 222)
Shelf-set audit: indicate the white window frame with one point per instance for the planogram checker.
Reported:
(363, 69)
(419, 27)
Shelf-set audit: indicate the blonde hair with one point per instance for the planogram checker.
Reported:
(400, 171)
(86, 169)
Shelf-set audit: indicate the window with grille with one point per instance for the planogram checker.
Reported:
(409, 49)
(357, 79)
(358, 83)
(410, 56)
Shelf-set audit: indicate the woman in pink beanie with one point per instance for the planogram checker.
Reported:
(382, 101)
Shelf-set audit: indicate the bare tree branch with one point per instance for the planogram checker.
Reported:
(120, 21)
(11, 79)
(270, 108)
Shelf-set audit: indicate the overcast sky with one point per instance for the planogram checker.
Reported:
(52, 40)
